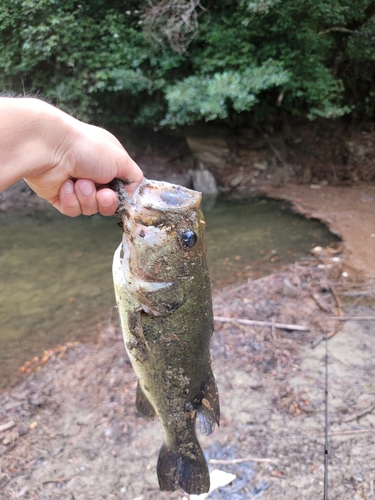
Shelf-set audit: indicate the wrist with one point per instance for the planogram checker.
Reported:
(32, 137)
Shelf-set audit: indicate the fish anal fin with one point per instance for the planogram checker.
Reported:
(209, 407)
(187, 471)
(143, 405)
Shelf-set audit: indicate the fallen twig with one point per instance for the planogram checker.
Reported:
(283, 161)
(321, 302)
(360, 414)
(350, 318)
(358, 431)
(320, 339)
(338, 301)
(57, 480)
(241, 460)
(282, 326)
(7, 425)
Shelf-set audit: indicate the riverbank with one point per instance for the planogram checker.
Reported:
(349, 212)
(70, 429)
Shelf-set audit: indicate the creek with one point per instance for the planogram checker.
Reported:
(56, 280)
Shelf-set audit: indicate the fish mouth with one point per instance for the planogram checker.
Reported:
(156, 195)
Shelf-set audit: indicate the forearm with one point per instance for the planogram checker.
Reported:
(28, 137)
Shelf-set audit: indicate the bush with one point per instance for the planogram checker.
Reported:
(177, 62)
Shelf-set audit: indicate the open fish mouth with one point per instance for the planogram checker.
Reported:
(162, 196)
(156, 195)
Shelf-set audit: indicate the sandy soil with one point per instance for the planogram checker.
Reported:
(348, 211)
(71, 431)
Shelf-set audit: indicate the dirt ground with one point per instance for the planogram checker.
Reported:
(71, 431)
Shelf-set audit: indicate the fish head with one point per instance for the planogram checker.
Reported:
(163, 241)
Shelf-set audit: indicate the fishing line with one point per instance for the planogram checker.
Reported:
(325, 495)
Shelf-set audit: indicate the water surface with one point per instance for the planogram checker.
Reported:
(55, 272)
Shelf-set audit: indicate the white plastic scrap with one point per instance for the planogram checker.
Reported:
(218, 479)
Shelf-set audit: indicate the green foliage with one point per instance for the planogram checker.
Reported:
(220, 93)
(246, 59)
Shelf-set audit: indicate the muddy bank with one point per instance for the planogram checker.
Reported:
(70, 430)
(348, 211)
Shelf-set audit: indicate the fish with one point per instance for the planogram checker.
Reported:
(163, 295)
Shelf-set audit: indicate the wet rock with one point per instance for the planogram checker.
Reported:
(204, 181)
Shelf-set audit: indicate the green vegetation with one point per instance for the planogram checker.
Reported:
(179, 62)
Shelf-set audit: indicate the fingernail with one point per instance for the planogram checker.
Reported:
(106, 201)
(86, 188)
(68, 187)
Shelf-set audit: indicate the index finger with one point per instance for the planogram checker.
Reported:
(130, 174)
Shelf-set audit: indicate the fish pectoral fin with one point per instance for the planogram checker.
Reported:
(143, 404)
(209, 407)
(188, 471)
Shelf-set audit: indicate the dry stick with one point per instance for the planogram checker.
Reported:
(7, 425)
(359, 431)
(57, 480)
(321, 302)
(249, 494)
(359, 414)
(340, 318)
(338, 301)
(282, 326)
(364, 496)
(320, 339)
(350, 318)
(241, 460)
(283, 161)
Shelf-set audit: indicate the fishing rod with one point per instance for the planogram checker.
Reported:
(326, 443)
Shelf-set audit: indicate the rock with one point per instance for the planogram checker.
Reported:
(306, 175)
(212, 151)
(204, 181)
(237, 180)
(289, 290)
(261, 165)
(359, 149)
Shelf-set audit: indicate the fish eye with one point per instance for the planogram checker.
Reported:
(188, 239)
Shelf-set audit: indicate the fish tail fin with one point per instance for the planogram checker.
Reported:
(209, 407)
(188, 471)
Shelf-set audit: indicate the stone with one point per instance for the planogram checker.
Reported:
(213, 152)
(237, 180)
(261, 165)
(204, 181)
(289, 290)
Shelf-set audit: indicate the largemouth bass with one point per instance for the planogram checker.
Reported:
(163, 295)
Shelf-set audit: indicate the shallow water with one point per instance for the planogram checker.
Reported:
(55, 272)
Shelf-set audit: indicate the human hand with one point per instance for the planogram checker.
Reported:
(65, 161)
(86, 161)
